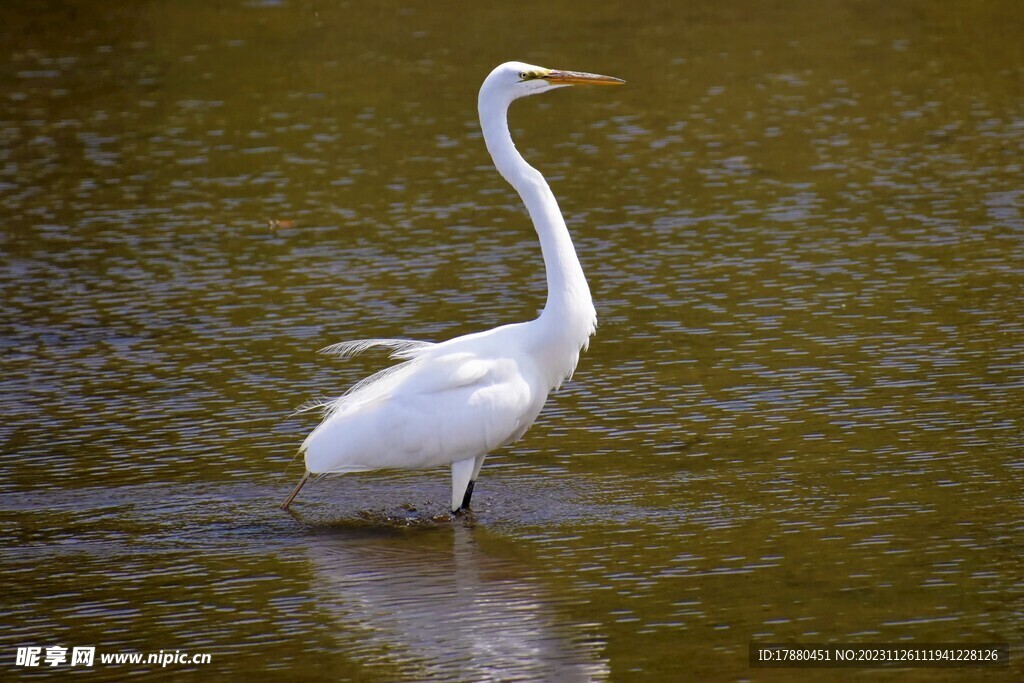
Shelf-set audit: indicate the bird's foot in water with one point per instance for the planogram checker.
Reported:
(464, 514)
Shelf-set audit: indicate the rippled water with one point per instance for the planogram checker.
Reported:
(801, 418)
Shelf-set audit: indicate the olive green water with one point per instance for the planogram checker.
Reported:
(801, 418)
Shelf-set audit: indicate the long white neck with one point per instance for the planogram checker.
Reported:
(569, 311)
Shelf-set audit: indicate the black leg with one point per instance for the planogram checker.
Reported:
(469, 494)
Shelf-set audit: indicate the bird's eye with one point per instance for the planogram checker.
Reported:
(523, 75)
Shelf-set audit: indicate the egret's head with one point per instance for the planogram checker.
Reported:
(513, 80)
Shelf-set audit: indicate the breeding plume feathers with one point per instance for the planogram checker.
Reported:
(406, 350)
(400, 348)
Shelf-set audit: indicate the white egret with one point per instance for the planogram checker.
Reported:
(453, 402)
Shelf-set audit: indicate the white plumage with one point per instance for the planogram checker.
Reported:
(453, 402)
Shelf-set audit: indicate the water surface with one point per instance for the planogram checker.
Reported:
(800, 420)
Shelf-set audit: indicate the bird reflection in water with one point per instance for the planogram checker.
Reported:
(433, 605)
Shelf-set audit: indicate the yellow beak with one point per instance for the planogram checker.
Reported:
(580, 78)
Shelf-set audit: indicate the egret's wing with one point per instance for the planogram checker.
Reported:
(425, 414)
(480, 415)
